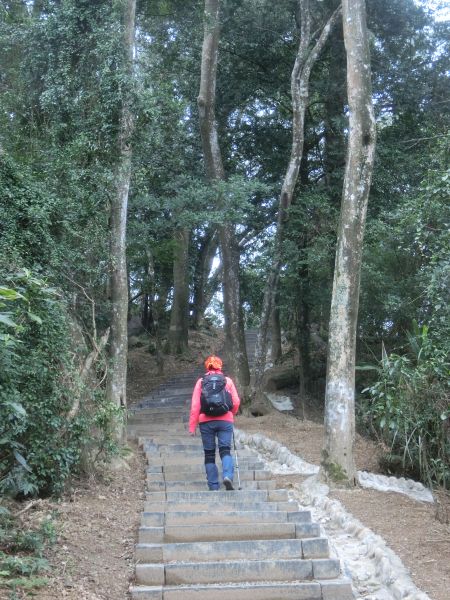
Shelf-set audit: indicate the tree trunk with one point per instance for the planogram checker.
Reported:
(117, 374)
(234, 325)
(304, 62)
(156, 312)
(303, 344)
(334, 105)
(338, 462)
(207, 251)
(179, 315)
(275, 335)
(146, 315)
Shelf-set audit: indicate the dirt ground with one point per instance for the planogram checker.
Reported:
(304, 438)
(96, 525)
(409, 528)
(93, 558)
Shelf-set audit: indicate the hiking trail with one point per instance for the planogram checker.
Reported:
(250, 543)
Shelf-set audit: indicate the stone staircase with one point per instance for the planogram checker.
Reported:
(195, 544)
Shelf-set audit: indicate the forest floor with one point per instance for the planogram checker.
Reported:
(409, 527)
(97, 521)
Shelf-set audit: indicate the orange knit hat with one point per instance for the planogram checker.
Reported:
(213, 363)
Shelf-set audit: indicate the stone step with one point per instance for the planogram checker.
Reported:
(178, 389)
(164, 400)
(179, 446)
(158, 519)
(191, 460)
(158, 409)
(227, 532)
(327, 590)
(149, 429)
(171, 413)
(192, 452)
(221, 496)
(163, 405)
(251, 475)
(172, 506)
(237, 571)
(199, 468)
(175, 396)
(153, 417)
(191, 486)
(190, 456)
(238, 550)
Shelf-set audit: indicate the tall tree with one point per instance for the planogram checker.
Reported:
(307, 53)
(117, 374)
(179, 315)
(234, 325)
(338, 462)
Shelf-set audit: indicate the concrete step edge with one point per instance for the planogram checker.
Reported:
(329, 590)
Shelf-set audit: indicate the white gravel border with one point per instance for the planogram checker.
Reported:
(283, 462)
(376, 572)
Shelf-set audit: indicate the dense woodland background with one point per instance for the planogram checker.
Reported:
(64, 82)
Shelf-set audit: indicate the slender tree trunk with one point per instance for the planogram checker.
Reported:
(179, 315)
(146, 312)
(334, 104)
(275, 335)
(157, 306)
(117, 374)
(338, 462)
(306, 57)
(234, 326)
(207, 251)
(303, 345)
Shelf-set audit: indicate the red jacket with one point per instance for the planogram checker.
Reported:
(197, 417)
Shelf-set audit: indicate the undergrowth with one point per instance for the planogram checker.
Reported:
(22, 562)
(52, 422)
(407, 408)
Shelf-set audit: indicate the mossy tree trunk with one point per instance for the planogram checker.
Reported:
(338, 461)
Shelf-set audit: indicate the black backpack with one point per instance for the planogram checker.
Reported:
(215, 400)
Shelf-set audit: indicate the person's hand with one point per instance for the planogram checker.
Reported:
(193, 433)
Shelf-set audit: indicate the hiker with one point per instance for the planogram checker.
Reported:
(215, 401)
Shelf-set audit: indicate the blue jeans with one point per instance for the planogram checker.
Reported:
(223, 430)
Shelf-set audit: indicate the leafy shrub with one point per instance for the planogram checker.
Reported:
(408, 408)
(40, 446)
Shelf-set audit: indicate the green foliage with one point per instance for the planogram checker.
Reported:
(21, 552)
(39, 445)
(25, 225)
(62, 86)
(408, 408)
(406, 271)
